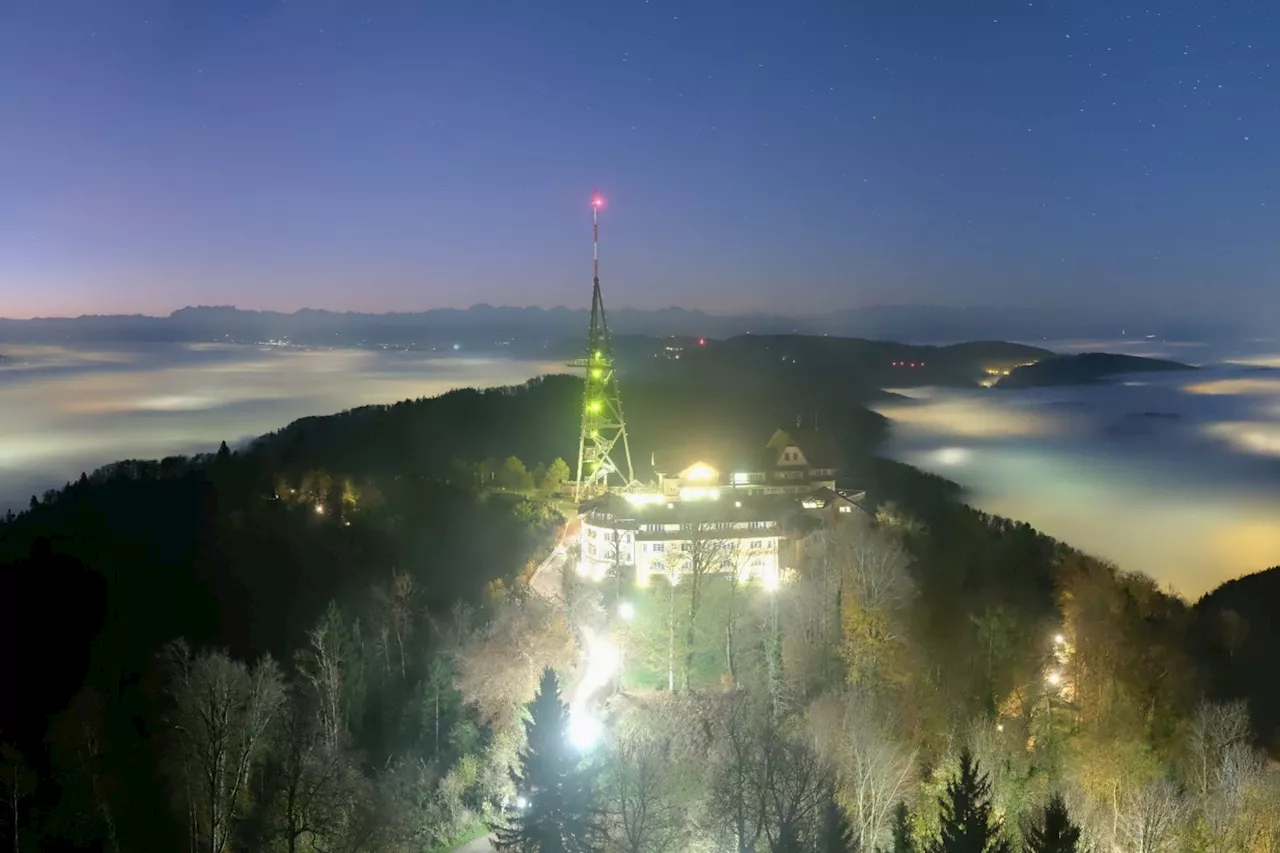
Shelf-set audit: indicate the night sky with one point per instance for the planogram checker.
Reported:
(796, 155)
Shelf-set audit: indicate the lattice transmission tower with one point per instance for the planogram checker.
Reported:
(603, 427)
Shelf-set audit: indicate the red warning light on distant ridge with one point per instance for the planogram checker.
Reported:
(702, 342)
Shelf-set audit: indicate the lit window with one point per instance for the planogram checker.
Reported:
(846, 509)
(658, 547)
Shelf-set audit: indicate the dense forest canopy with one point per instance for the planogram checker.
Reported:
(356, 588)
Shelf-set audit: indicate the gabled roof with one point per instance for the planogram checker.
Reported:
(819, 450)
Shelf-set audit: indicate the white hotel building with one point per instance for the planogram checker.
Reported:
(742, 516)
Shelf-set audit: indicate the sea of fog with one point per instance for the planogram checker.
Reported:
(65, 410)
(1173, 474)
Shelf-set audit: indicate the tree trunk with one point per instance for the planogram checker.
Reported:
(671, 641)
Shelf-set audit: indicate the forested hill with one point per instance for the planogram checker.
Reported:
(855, 365)
(1240, 638)
(1084, 368)
(392, 537)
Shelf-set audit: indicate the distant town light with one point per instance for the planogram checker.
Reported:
(1058, 639)
(319, 509)
(1054, 678)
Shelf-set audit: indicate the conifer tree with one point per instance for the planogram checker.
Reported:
(558, 811)
(1055, 833)
(835, 833)
(904, 839)
(967, 824)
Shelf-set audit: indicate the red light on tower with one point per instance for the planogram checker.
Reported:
(597, 201)
(702, 342)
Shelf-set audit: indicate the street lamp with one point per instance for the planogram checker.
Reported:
(584, 731)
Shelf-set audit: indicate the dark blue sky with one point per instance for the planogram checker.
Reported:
(796, 155)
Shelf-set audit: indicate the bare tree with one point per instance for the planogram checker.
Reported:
(396, 605)
(1215, 729)
(797, 788)
(219, 715)
(738, 557)
(857, 580)
(321, 665)
(702, 553)
(738, 796)
(309, 780)
(643, 817)
(1150, 817)
(17, 782)
(873, 772)
(78, 744)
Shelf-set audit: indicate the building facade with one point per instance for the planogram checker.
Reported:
(743, 517)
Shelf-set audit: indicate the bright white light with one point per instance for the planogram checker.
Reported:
(522, 803)
(584, 731)
(952, 456)
(999, 727)
(1058, 639)
(771, 580)
(738, 504)
(1054, 678)
(643, 498)
(457, 347)
(698, 493)
(319, 509)
(627, 611)
(700, 471)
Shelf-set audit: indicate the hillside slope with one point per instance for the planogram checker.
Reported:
(1083, 368)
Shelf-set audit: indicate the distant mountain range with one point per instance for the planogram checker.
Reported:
(532, 328)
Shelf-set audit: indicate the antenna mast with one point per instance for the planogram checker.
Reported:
(603, 426)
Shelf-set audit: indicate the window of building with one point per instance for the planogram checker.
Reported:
(658, 547)
(688, 564)
(846, 509)
(756, 544)
(591, 548)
